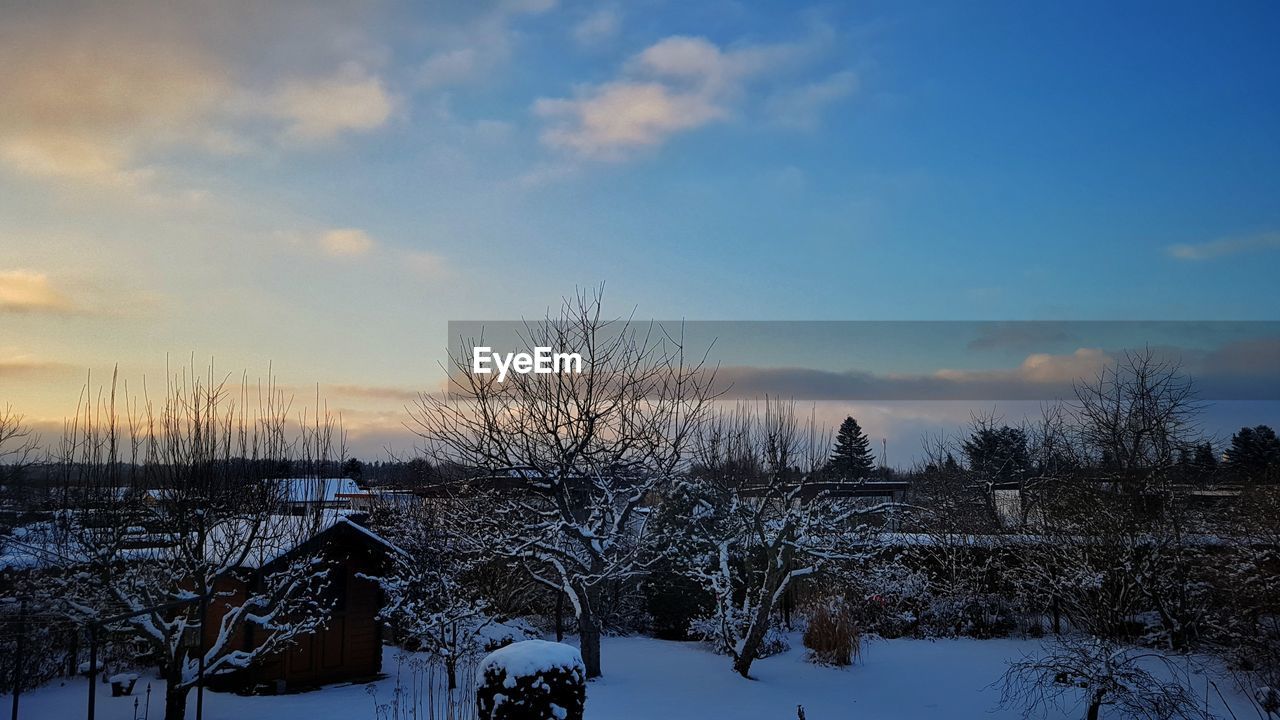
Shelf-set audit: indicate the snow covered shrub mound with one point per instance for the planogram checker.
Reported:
(532, 680)
(832, 637)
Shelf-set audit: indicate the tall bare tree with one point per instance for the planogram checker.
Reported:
(571, 456)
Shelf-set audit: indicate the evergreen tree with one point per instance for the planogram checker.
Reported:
(353, 469)
(1206, 461)
(950, 465)
(998, 454)
(1254, 453)
(851, 459)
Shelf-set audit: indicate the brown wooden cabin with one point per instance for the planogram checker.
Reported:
(349, 647)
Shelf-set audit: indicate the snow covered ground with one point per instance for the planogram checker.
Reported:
(645, 678)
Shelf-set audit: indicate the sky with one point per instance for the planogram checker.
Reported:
(318, 189)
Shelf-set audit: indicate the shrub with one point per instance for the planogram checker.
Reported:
(832, 637)
(532, 680)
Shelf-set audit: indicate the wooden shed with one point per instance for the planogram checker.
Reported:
(349, 647)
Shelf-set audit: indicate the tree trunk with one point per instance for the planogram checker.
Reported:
(751, 644)
(778, 568)
(589, 635)
(175, 699)
(560, 616)
(1095, 705)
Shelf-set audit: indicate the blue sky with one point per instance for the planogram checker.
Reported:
(323, 188)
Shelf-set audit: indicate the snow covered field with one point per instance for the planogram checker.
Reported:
(645, 678)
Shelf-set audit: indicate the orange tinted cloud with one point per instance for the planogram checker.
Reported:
(27, 291)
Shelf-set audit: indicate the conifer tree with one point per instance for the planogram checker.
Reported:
(851, 458)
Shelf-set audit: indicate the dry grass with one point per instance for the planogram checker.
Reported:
(832, 637)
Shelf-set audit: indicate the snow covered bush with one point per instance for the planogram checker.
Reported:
(831, 636)
(532, 680)
(887, 598)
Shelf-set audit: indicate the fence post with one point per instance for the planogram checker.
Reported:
(18, 652)
(93, 669)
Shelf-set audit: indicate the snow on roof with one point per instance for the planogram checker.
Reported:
(41, 544)
(532, 657)
(318, 490)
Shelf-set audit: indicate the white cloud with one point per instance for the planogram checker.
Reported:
(28, 291)
(1040, 368)
(598, 27)
(620, 116)
(346, 243)
(1225, 246)
(675, 85)
(322, 109)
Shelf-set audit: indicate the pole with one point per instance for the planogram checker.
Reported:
(204, 609)
(18, 650)
(204, 613)
(93, 669)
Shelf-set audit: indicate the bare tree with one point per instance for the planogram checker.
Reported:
(1092, 673)
(1136, 415)
(764, 518)
(430, 599)
(172, 512)
(19, 444)
(570, 457)
(19, 450)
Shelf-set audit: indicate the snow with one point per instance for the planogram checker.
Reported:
(318, 490)
(645, 678)
(532, 657)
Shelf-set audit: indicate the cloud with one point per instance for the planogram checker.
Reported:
(91, 109)
(468, 47)
(346, 243)
(449, 67)
(1225, 246)
(321, 109)
(1042, 368)
(27, 291)
(621, 116)
(25, 366)
(802, 107)
(425, 264)
(368, 392)
(598, 27)
(111, 96)
(675, 85)
(1040, 376)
